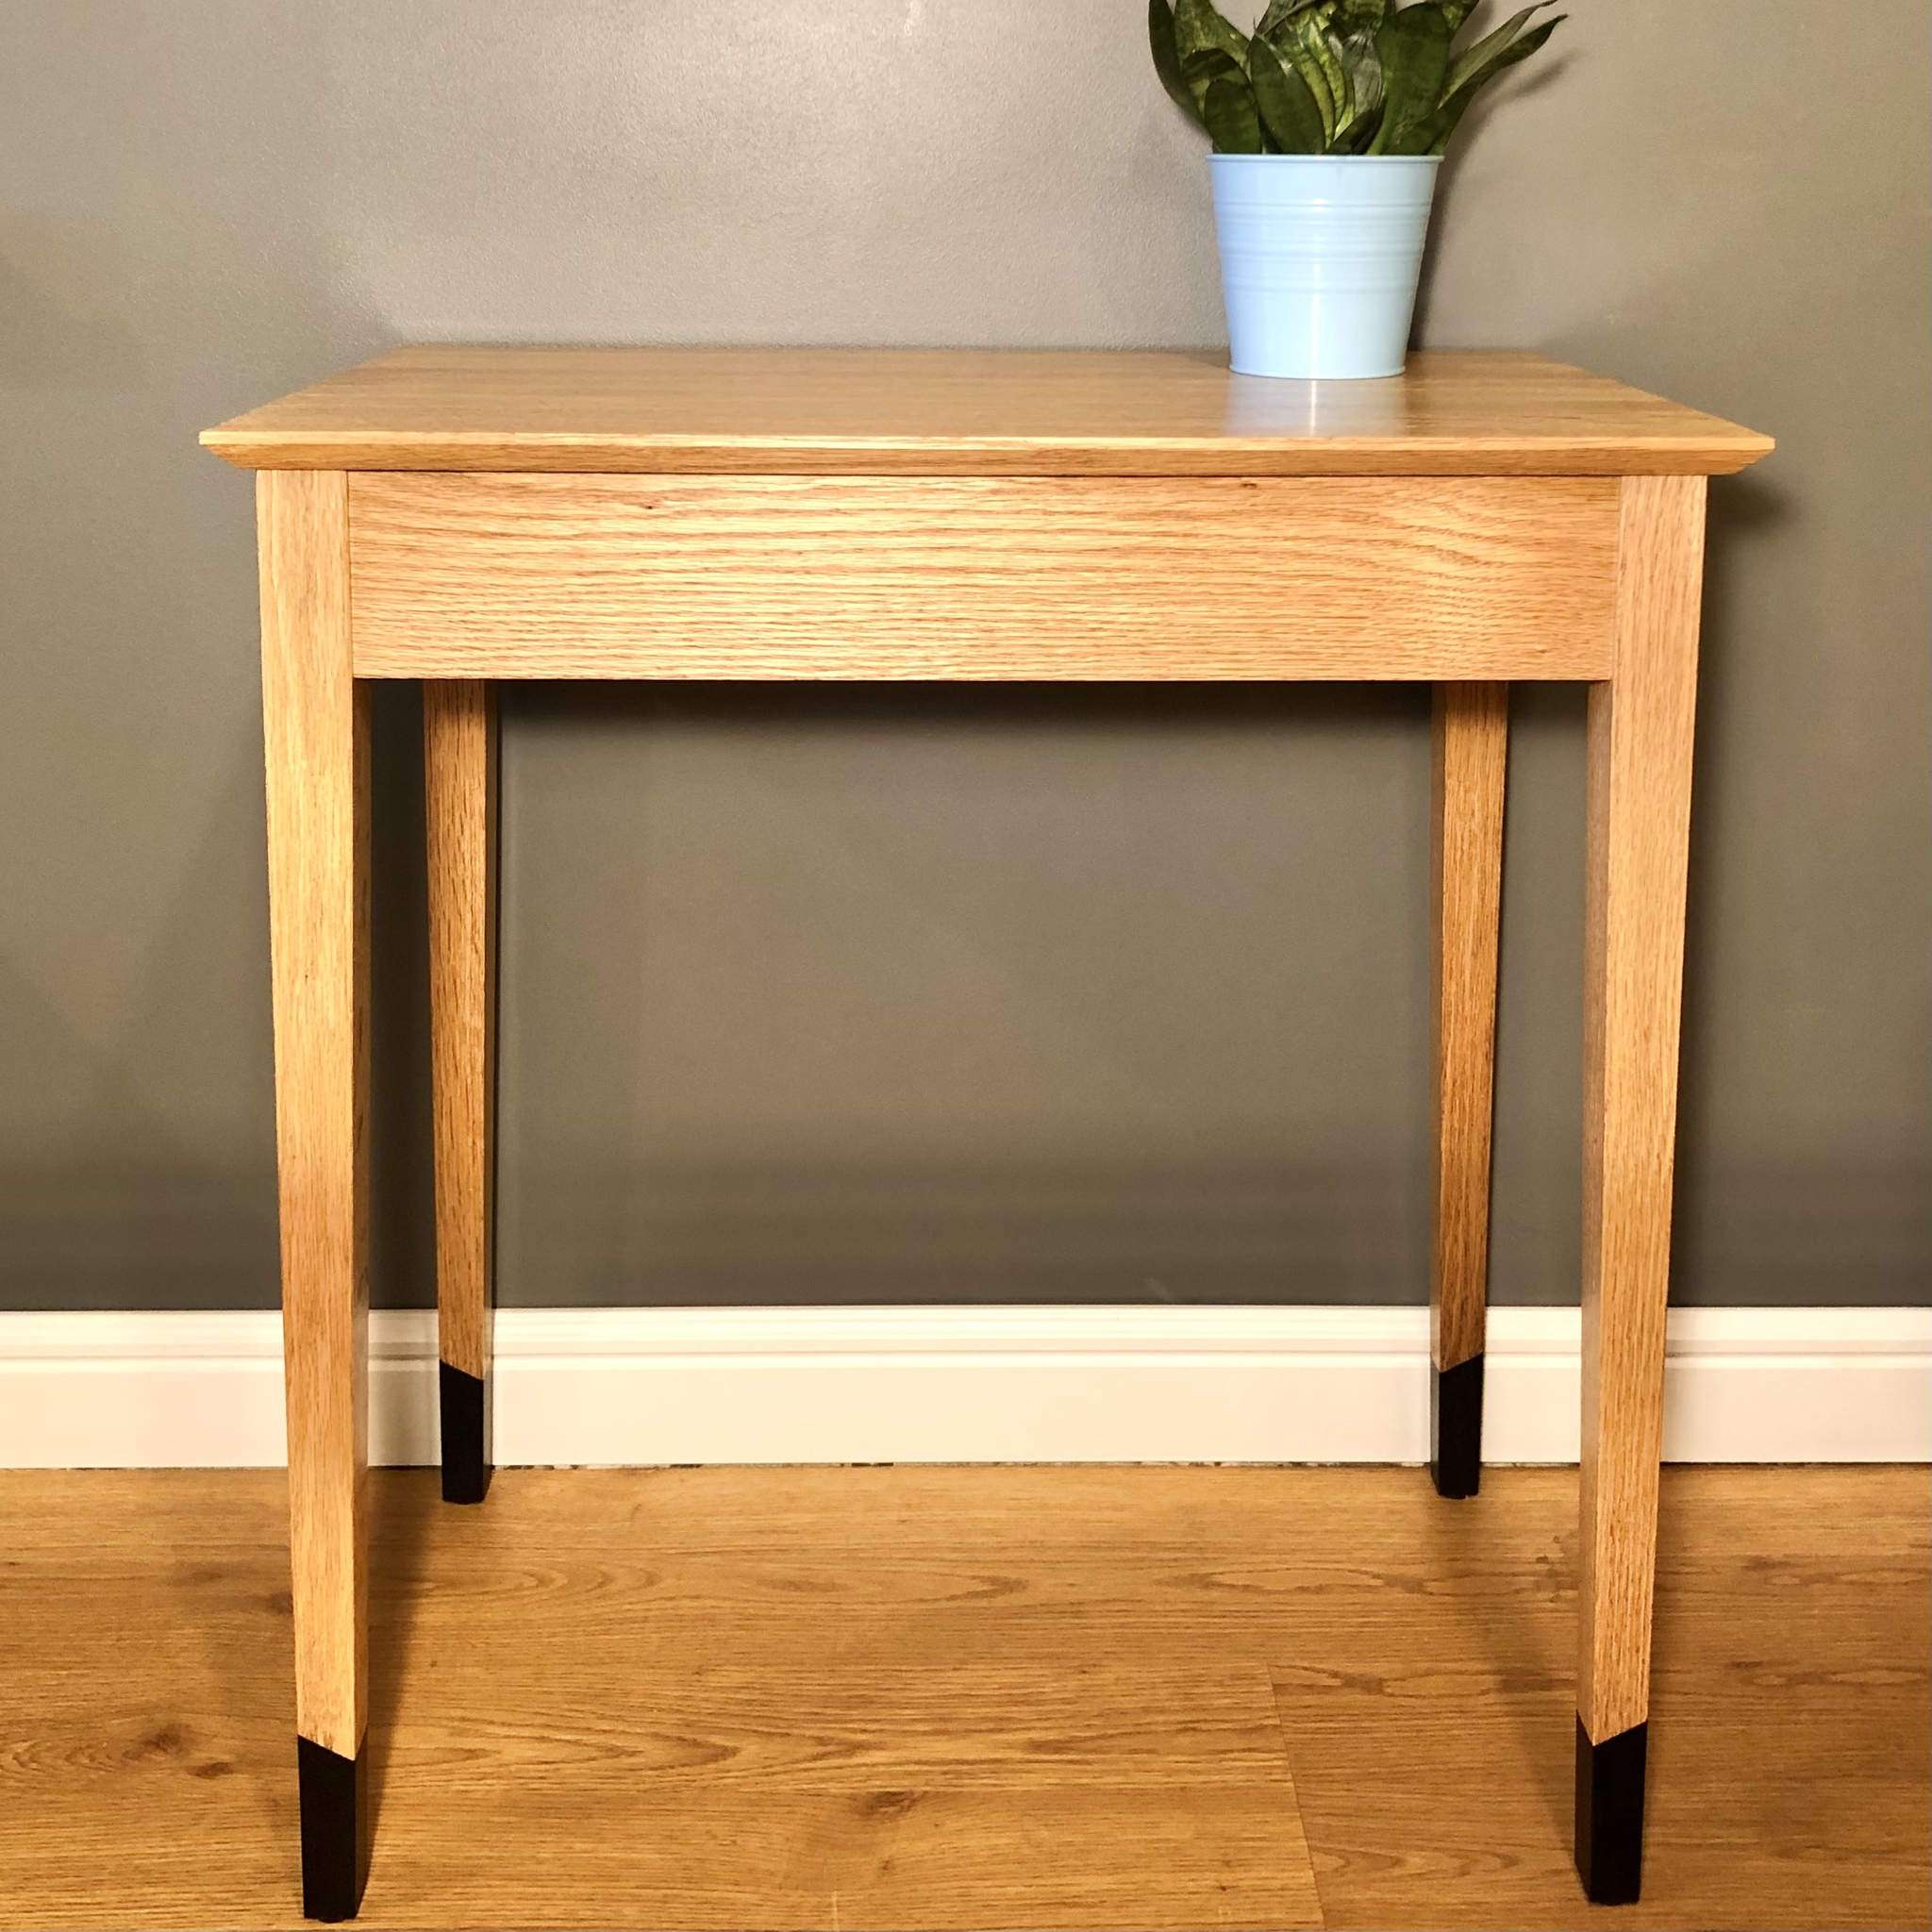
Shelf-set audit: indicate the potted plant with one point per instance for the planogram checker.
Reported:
(1328, 123)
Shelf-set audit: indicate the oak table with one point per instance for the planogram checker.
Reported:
(466, 515)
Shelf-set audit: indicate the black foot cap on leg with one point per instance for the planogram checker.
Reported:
(1609, 1815)
(335, 1829)
(1455, 1428)
(465, 1455)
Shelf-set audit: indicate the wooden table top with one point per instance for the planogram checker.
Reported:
(971, 413)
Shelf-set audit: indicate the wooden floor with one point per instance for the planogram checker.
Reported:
(913, 1697)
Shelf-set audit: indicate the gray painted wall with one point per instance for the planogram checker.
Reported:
(918, 994)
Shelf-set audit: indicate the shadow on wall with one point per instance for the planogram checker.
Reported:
(136, 1096)
(1740, 510)
(1544, 73)
(1744, 1230)
(123, 1208)
(882, 993)
(799, 1232)
(58, 328)
(402, 1180)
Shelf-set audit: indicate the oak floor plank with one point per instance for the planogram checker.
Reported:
(1788, 1776)
(965, 1698)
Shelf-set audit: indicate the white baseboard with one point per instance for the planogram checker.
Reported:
(648, 1386)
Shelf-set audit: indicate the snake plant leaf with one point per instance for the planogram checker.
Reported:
(1311, 29)
(1287, 110)
(1276, 20)
(1455, 12)
(1208, 64)
(1232, 117)
(1308, 70)
(1456, 105)
(1202, 67)
(1474, 59)
(1167, 58)
(1414, 46)
(1361, 132)
(1198, 27)
(1427, 136)
(1361, 16)
(1364, 73)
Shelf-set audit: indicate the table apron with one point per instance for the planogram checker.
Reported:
(1096, 578)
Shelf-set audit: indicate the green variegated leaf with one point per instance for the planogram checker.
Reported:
(1232, 117)
(1472, 60)
(1198, 27)
(1414, 46)
(1287, 110)
(1167, 58)
(1364, 67)
(1201, 70)
(1312, 31)
(1280, 12)
(1456, 105)
(1208, 63)
(1308, 70)
(1339, 77)
(1419, 137)
(1362, 134)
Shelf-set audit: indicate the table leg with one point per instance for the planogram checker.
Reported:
(1639, 743)
(316, 737)
(459, 743)
(1472, 751)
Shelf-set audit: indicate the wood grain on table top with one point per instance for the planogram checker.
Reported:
(971, 413)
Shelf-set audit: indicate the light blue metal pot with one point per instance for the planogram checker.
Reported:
(1320, 257)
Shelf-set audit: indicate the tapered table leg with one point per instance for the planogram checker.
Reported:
(1639, 743)
(1472, 753)
(459, 744)
(315, 728)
